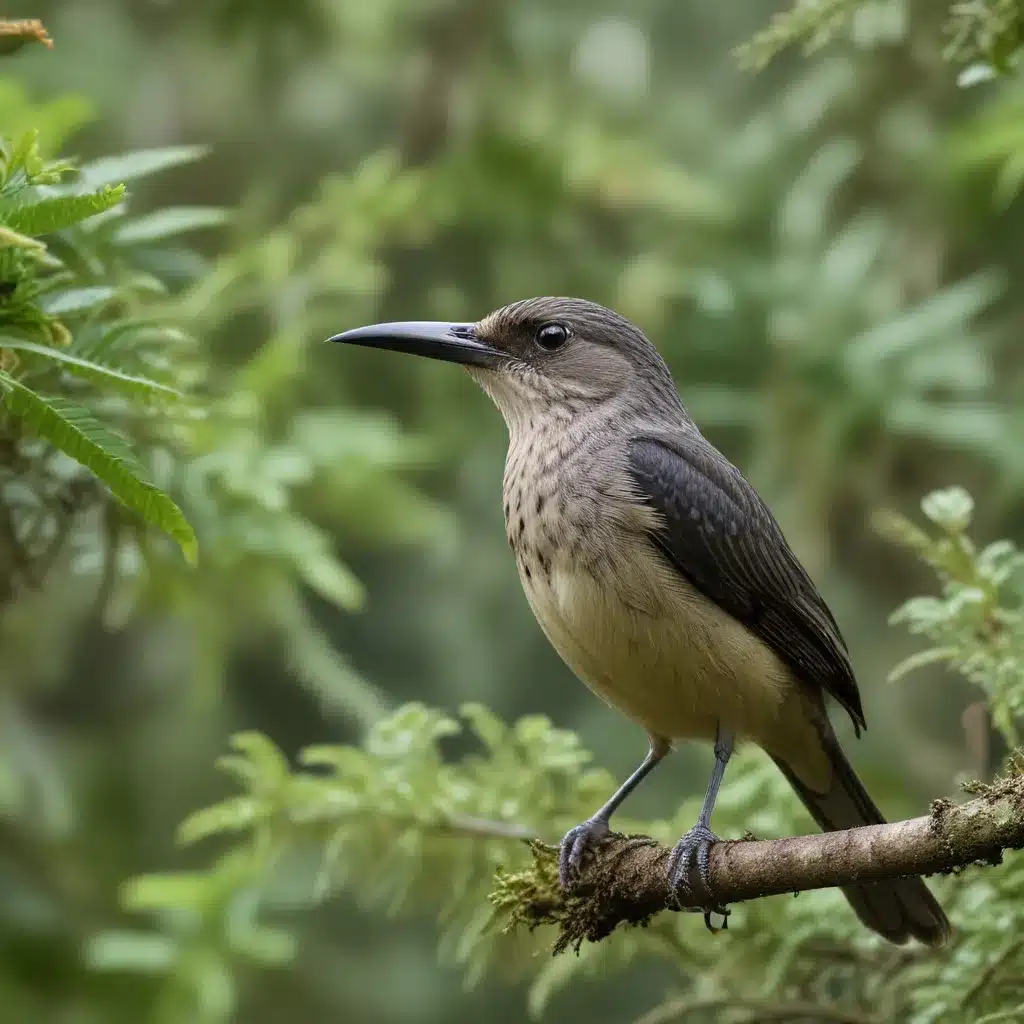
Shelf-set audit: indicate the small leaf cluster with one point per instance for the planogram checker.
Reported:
(811, 24)
(983, 37)
(84, 363)
(976, 624)
(394, 822)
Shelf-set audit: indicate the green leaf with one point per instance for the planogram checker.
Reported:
(940, 315)
(14, 239)
(101, 342)
(317, 663)
(234, 815)
(130, 383)
(74, 300)
(975, 74)
(333, 581)
(270, 947)
(143, 952)
(214, 986)
(165, 223)
(59, 212)
(76, 433)
(184, 890)
(269, 763)
(922, 659)
(486, 724)
(113, 170)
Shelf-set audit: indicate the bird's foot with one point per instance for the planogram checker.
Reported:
(575, 845)
(689, 875)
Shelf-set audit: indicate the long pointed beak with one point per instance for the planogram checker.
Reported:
(454, 343)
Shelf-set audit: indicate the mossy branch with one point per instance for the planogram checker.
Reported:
(625, 879)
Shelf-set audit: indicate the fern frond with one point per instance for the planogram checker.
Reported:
(100, 343)
(808, 23)
(55, 213)
(76, 300)
(129, 383)
(75, 432)
(138, 164)
(169, 222)
(15, 239)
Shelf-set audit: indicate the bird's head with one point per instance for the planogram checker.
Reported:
(560, 352)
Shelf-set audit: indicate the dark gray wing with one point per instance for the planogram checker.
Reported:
(722, 538)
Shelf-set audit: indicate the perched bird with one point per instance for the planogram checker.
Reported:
(660, 576)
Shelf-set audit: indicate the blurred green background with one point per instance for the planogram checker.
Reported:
(828, 253)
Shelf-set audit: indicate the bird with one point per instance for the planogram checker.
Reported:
(661, 577)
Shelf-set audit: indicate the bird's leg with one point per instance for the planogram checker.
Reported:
(694, 847)
(577, 840)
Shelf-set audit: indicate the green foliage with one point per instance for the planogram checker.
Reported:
(988, 35)
(131, 384)
(236, 466)
(812, 23)
(209, 935)
(76, 433)
(263, 447)
(392, 821)
(984, 36)
(977, 624)
(995, 141)
(43, 295)
(45, 216)
(137, 165)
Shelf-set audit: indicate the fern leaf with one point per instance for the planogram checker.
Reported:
(139, 164)
(168, 222)
(76, 300)
(130, 383)
(58, 212)
(100, 342)
(76, 433)
(16, 240)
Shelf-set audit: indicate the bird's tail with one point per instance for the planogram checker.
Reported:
(896, 910)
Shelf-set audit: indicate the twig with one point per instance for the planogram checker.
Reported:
(15, 34)
(484, 828)
(625, 880)
(108, 573)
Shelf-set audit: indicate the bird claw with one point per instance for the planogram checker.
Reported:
(689, 875)
(575, 845)
(722, 912)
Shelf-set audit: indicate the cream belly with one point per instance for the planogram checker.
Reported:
(672, 661)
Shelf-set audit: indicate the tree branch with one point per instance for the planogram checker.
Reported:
(625, 879)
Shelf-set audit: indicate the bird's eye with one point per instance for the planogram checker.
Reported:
(552, 336)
